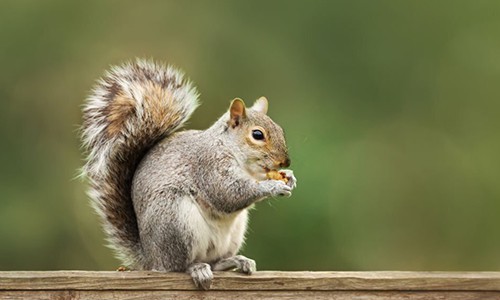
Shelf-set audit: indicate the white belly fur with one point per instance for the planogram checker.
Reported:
(212, 238)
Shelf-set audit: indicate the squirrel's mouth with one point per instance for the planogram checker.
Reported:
(261, 171)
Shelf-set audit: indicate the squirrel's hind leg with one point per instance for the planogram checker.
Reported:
(201, 274)
(239, 262)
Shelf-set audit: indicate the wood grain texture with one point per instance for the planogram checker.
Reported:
(261, 285)
(242, 295)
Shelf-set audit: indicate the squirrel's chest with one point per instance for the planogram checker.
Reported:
(216, 238)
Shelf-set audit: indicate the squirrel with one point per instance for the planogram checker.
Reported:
(170, 200)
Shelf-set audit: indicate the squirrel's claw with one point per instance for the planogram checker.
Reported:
(239, 262)
(201, 274)
(287, 191)
(247, 265)
(292, 181)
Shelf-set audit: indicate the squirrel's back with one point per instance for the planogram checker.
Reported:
(129, 110)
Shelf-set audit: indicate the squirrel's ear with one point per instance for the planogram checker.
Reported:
(236, 112)
(260, 105)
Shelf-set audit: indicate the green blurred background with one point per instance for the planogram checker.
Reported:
(391, 110)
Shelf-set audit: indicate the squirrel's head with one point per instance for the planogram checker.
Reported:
(260, 139)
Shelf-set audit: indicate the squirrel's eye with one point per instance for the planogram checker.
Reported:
(257, 134)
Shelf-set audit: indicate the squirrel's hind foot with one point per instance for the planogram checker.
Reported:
(201, 274)
(239, 262)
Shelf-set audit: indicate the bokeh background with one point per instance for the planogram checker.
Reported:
(391, 109)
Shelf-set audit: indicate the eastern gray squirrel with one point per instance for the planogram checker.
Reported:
(177, 200)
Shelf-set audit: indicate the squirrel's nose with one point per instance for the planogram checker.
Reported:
(286, 163)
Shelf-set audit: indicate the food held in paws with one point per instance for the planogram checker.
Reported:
(277, 175)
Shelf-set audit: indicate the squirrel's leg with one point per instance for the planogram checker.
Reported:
(201, 275)
(239, 262)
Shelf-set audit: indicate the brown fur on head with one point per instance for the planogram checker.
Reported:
(262, 141)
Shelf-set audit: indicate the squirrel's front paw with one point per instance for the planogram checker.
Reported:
(276, 188)
(201, 274)
(291, 180)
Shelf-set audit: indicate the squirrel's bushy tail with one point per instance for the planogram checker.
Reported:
(129, 110)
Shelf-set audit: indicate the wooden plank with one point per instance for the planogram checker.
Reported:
(242, 295)
(260, 281)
